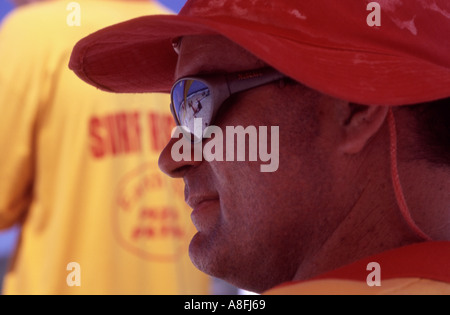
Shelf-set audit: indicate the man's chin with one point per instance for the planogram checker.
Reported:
(207, 256)
(198, 252)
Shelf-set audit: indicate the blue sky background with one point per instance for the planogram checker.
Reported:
(5, 7)
(175, 5)
(8, 238)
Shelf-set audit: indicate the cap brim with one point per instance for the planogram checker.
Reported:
(137, 56)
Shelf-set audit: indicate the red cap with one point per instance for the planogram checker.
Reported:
(327, 45)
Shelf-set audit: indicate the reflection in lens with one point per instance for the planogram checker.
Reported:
(192, 101)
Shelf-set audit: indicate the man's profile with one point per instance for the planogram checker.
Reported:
(363, 114)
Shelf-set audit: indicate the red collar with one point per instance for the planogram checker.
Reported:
(428, 260)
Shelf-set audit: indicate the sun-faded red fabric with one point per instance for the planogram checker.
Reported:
(327, 45)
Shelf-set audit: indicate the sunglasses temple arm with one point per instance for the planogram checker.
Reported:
(247, 80)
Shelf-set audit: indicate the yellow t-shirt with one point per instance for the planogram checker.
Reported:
(78, 167)
(400, 286)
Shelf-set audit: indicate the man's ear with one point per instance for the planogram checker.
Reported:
(360, 125)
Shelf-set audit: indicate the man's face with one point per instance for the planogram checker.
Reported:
(254, 228)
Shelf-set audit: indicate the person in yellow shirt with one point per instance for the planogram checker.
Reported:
(78, 166)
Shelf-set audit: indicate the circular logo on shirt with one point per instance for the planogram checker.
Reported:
(151, 219)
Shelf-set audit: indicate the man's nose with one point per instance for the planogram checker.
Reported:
(175, 163)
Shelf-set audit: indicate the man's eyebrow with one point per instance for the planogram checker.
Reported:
(210, 64)
(215, 69)
(201, 70)
(204, 69)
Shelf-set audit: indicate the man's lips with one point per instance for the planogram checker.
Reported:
(196, 201)
(204, 214)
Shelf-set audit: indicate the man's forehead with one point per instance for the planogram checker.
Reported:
(202, 54)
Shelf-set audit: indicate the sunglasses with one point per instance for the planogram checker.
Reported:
(200, 97)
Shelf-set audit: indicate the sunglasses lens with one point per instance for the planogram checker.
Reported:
(193, 106)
